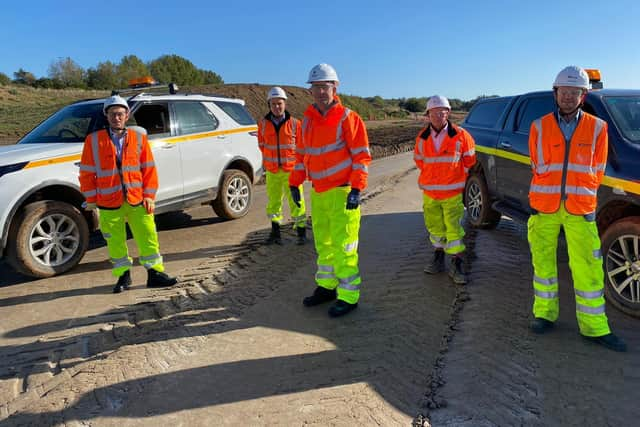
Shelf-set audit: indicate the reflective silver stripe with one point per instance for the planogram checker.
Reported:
(339, 145)
(149, 257)
(298, 218)
(339, 129)
(294, 127)
(325, 276)
(359, 150)
(596, 132)
(282, 147)
(450, 159)
(438, 239)
(545, 295)
(438, 242)
(274, 215)
(590, 294)
(106, 235)
(148, 165)
(121, 262)
(420, 147)
(326, 268)
(349, 287)
(600, 167)
(553, 167)
(549, 189)
(590, 310)
(418, 157)
(151, 262)
(298, 167)
(538, 125)
(453, 244)
(133, 184)
(360, 167)
(271, 159)
(87, 168)
(300, 150)
(150, 190)
(443, 187)
(131, 169)
(597, 253)
(574, 167)
(347, 283)
(469, 153)
(548, 282)
(328, 172)
(305, 125)
(110, 190)
(89, 193)
(581, 191)
(351, 246)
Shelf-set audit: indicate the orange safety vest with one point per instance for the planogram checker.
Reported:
(278, 144)
(334, 150)
(443, 173)
(574, 178)
(105, 182)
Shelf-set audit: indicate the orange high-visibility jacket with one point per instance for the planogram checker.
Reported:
(278, 144)
(105, 183)
(443, 173)
(334, 150)
(574, 177)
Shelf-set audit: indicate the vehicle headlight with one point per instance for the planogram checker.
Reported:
(11, 168)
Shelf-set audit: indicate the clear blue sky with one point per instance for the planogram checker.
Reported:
(460, 49)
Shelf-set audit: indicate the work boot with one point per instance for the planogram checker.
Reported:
(437, 263)
(455, 271)
(609, 341)
(157, 279)
(302, 235)
(274, 236)
(124, 282)
(540, 325)
(340, 308)
(320, 295)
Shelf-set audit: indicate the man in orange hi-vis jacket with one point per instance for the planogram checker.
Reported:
(118, 176)
(335, 156)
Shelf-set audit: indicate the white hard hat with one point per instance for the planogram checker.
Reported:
(323, 73)
(276, 92)
(573, 76)
(112, 101)
(438, 101)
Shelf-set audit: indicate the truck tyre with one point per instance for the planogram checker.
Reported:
(621, 263)
(234, 195)
(47, 238)
(478, 203)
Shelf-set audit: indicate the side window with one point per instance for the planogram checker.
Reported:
(486, 114)
(532, 109)
(194, 117)
(237, 112)
(154, 118)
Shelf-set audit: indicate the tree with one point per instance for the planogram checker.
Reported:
(67, 72)
(23, 77)
(130, 67)
(414, 105)
(211, 78)
(4, 79)
(104, 76)
(176, 69)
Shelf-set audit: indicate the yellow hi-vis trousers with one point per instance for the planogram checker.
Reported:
(277, 186)
(143, 228)
(585, 262)
(335, 233)
(443, 219)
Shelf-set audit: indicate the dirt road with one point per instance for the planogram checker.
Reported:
(232, 344)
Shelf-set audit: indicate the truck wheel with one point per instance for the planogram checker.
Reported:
(621, 255)
(49, 238)
(234, 195)
(478, 203)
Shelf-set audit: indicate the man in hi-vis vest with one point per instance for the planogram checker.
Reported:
(568, 150)
(278, 134)
(335, 156)
(118, 176)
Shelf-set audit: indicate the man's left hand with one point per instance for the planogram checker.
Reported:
(353, 199)
(149, 204)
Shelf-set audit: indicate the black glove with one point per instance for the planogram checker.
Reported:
(353, 199)
(295, 195)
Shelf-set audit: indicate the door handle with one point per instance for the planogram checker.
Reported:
(222, 136)
(167, 146)
(505, 144)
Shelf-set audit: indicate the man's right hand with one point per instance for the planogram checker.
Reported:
(295, 195)
(90, 206)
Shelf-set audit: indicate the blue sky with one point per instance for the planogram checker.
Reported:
(460, 49)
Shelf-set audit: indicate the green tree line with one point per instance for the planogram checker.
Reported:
(66, 73)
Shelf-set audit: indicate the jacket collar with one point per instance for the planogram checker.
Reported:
(451, 130)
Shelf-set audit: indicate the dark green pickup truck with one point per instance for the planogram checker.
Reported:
(499, 182)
